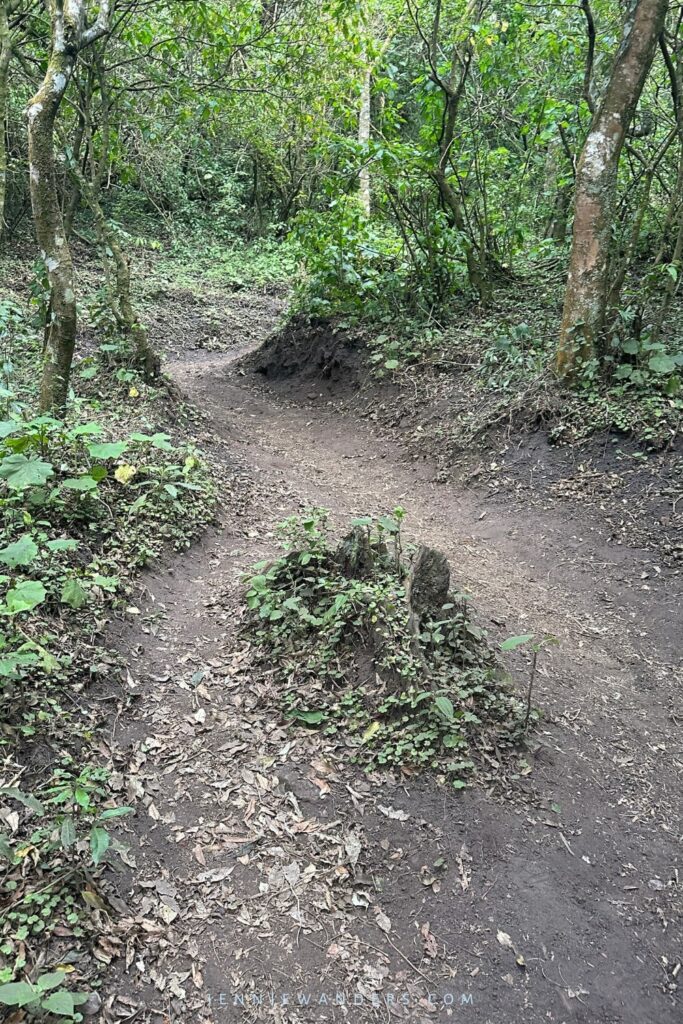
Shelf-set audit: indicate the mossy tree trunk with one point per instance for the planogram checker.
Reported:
(585, 303)
(6, 8)
(68, 36)
(364, 127)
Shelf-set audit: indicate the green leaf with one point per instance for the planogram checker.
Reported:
(310, 717)
(18, 993)
(52, 980)
(516, 641)
(87, 429)
(99, 843)
(21, 552)
(26, 799)
(10, 663)
(109, 583)
(60, 1003)
(116, 812)
(73, 594)
(8, 427)
(81, 483)
(661, 364)
(391, 364)
(673, 386)
(68, 833)
(108, 450)
(62, 544)
(161, 441)
(445, 707)
(24, 597)
(20, 472)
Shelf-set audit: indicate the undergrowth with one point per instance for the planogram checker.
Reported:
(353, 659)
(86, 502)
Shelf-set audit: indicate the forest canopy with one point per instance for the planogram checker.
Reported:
(410, 157)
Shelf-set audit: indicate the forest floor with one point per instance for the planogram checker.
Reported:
(275, 880)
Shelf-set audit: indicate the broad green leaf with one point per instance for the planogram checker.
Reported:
(24, 597)
(81, 483)
(11, 663)
(108, 450)
(73, 594)
(87, 429)
(21, 552)
(18, 993)
(109, 583)
(20, 472)
(59, 1003)
(161, 441)
(8, 427)
(52, 980)
(444, 706)
(661, 364)
(62, 544)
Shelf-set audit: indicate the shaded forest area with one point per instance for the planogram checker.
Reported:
(342, 491)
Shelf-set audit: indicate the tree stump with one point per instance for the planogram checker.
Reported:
(428, 582)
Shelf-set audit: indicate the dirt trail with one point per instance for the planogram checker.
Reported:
(270, 866)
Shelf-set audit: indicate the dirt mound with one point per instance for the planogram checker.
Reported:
(310, 349)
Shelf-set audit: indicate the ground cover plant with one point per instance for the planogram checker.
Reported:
(86, 501)
(387, 658)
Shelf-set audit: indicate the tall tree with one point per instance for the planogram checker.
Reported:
(585, 304)
(69, 35)
(6, 9)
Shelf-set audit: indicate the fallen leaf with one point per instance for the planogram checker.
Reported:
(383, 922)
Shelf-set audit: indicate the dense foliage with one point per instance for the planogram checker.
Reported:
(486, 186)
(415, 156)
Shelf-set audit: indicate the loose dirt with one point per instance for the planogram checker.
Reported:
(275, 880)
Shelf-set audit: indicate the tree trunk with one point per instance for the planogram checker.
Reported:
(596, 183)
(69, 36)
(5, 54)
(364, 125)
(60, 335)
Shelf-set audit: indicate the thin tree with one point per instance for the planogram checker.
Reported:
(586, 294)
(7, 8)
(69, 35)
